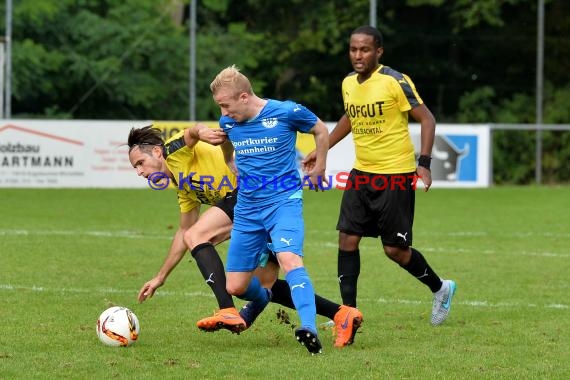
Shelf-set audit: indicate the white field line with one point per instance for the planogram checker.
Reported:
(43, 289)
(332, 233)
(115, 234)
(455, 250)
(483, 304)
(529, 234)
(138, 235)
(166, 293)
(494, 252)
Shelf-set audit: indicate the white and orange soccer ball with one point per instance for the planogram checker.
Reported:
(118, 326)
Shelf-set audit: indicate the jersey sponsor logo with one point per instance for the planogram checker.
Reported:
(270, 122)
(260, 141)
(364, 110)
(367, 131)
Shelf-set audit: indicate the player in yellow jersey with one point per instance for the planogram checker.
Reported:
(380, 199)
(174, 161)
(197, 168)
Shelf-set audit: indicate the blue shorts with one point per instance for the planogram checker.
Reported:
(254, 226)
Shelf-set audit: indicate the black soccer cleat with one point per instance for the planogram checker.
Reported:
(309, 339)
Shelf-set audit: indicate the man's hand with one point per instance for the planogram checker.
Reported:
(425, 176)
(148, 289)
(308, 163)
(316, 175)
(213, 136)
(318, 178)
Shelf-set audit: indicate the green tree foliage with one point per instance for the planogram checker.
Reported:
(506, 93)
(98, 59)
(129, 59)
(293, 49)
(514, 158)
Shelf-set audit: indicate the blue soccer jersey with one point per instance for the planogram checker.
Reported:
(265, 150)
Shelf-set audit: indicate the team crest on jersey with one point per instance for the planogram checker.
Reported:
(270, 122)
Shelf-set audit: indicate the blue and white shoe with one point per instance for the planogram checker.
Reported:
(442, 302)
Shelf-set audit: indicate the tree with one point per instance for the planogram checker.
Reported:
(98, 59)
(291, 49)
(128, 59)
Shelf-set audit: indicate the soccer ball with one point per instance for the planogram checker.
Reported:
(118, 326)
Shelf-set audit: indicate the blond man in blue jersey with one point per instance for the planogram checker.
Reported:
(197, 168)
(380, 202)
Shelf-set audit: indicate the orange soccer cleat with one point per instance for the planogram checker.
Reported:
(347, 320)
(228, 318)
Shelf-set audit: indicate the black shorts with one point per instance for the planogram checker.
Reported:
(227, 205)
(379, 205)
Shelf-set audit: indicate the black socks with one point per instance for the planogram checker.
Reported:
(420, 269)
(212, 270)
(348, 272)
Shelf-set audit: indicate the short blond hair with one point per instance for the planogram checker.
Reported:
(232, 78)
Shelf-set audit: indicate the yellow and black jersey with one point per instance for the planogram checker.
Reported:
(200, 173)
(378, 112)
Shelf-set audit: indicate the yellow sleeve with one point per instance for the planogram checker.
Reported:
(187, 200)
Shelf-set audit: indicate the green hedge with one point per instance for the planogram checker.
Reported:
(514, 157)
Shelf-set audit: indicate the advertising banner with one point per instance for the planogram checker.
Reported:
(460, 155)
(90, 153)
(66, 153)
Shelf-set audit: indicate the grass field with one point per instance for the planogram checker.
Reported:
(66, 255)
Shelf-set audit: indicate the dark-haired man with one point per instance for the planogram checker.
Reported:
(377, 102)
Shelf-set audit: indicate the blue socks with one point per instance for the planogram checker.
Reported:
(255, 293)
(302, 293)
(303, 296)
